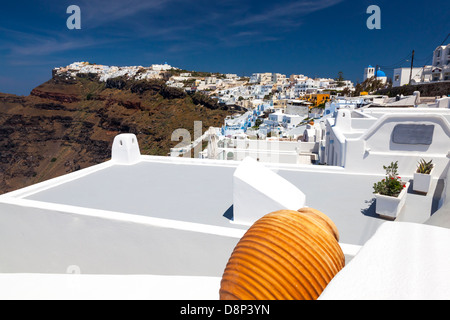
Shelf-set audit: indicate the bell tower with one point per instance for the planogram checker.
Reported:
(369, 72)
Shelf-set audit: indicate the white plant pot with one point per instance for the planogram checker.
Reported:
(422, 182)
(388, 206)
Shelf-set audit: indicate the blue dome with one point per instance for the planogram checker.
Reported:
(380, 74)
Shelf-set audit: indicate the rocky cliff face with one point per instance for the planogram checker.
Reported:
(65, 125)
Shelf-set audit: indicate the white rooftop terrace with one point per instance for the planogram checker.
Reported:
(164, 217)
(200, 191)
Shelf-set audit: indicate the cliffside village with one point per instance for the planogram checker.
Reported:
(294, 110)
(229, 89)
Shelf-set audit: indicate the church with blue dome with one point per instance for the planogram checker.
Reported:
(370, 72)
(381, 74)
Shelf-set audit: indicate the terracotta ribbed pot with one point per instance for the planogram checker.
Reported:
(284, 255)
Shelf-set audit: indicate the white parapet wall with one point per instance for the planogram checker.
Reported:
(401, 137)
(405, 136)
(38, 237)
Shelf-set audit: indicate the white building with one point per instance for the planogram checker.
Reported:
(290, 121)
(441, 63)
(162, 67)
(306, 87)
(210, 80)
(297, 78)
(231, 76)
(298, 107)
(261, 78)
(277, 116)
(441, 56)
(337, 103)
(402, 76)
(278, 78)
(440, 68)
(365, 140)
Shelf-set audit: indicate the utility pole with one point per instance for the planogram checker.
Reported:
(412, 63)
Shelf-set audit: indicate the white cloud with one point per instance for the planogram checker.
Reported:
(101, 12)
(205, 25)
(291, 11)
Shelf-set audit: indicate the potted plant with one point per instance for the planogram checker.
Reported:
(423, 176)
(390, 193)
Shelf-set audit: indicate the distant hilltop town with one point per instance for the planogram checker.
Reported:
(229, 89)
(109, 72)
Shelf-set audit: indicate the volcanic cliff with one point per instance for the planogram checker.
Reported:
(68, 124)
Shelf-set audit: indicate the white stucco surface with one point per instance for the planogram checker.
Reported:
(258, 191)
(401, 261)
(48, 238)
(106, 287)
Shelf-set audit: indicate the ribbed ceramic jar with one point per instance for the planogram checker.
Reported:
(284, 255)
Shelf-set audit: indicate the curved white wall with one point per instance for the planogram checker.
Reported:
(376, 148)
(379, 137)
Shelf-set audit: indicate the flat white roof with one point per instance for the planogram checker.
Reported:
(192, 193)
(200, 191)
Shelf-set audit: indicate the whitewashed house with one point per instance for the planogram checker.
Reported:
(403, 75)
(440, 68)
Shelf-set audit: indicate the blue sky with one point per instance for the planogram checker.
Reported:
(315, 38)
